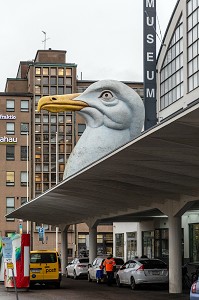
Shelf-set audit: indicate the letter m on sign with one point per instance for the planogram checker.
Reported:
(149, 3)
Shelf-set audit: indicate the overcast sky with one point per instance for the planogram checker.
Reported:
(103, 37)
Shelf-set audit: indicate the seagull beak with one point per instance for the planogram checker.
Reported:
(60, 103)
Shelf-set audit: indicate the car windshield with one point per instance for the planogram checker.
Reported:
(84, 260)
(153, 264)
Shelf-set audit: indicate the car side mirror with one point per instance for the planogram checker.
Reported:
(122, 267)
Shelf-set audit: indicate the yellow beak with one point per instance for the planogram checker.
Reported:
(60, 103)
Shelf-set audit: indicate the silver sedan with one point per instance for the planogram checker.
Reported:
(142, 271)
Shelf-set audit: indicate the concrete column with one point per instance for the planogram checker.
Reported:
(92, 243)
(175, 254)
(64, 249)
(139, 240)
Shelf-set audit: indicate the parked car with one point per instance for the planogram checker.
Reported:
(142, 271)
(96, 271)
(78, 267)
(194, 291)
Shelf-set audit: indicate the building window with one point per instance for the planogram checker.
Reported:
(37, 80)
(10, 105)
(61, 72)
(68, 81)
(61, 80)
(53, 80)
(131, 244)
(171, 74)
(10, 128)
(68, 72)
(37, 89)
(10, 206)
(81, 128)
(119, 244)
(24, 128)
(53, 90)
(45, 90)
(45, 71)
(10, 152)
(68, 90)
(53, 71)
(25, 105)
(23, 200)
(38, 71)
(10, 178)
(24, 154)
(45, 80)
(23, 178)
(60, 90)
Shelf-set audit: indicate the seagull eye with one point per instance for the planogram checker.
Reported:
(106, 95)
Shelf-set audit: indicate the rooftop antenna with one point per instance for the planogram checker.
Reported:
(45, 39)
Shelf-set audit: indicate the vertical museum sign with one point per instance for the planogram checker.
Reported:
(149, 35)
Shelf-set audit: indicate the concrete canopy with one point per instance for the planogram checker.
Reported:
(161, 164)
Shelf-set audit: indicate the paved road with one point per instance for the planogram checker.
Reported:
(83, 290)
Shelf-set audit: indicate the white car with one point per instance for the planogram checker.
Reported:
(141, 271)
(96, 271)
(78, 267)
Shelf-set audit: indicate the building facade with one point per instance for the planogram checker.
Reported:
(177, 89)
(35, 146)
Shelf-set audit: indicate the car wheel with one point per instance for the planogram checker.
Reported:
(57, 285)
(89, 278)
(75, 275)
(133, 285)
(118, 281)
(67, 276)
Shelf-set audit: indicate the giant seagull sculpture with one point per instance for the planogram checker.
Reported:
(114, 115)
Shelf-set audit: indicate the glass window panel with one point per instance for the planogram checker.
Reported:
(46, 148)
(37, 118)
(60, 90)
(10, 128)
(45, 90)
(24, 128)
(38, 177)
(61, 72)
(45, 118)
(10, 152)
(68, 72)
(46, 157)
(61, 80)
(53, 80)
(68, 129)
(195, 33)
(37, 71)
(24, 105)
(45, 80)
(53, 90)
(53, 119)
(45, 128)
(53, 128)
(68, 81)
(68, 119)
(61, 119)
(46, 138)
(53, 71)
(45, 71)
(46, 167)
(37, 89)
(68, 90)
(38, 80)
(10, 201)
(37, 128)
(10, 178)
(10, 105)
(23, 178)
(24, 153)
(37, 167)
(190, 38)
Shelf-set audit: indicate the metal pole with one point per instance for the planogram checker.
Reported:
(27, 169)
(57, 174)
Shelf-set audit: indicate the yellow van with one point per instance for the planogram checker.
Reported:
(45, 267)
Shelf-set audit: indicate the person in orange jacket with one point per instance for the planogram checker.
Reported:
(109, 265)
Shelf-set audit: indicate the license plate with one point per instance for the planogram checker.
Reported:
(155, 273)
(35, 270)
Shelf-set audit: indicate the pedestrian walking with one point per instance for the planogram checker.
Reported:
(109, 265)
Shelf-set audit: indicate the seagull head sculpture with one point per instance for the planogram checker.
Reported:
(114, 115)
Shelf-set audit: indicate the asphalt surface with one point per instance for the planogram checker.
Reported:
(81, 289)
